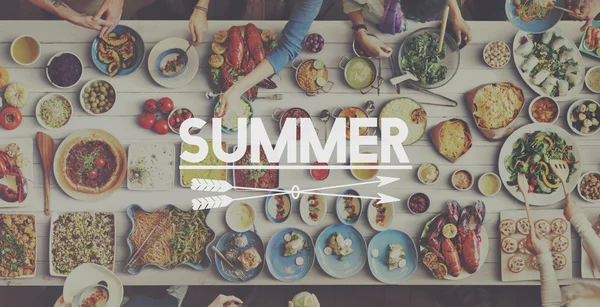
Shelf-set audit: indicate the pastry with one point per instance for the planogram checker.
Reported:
(510, 245)
(523, 226)
(508, 227)
(542, 227)
(516, 264)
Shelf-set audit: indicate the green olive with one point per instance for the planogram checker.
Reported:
(102, 103)
(94, 105)
(86, 95)
(106, 108)
(96, 111)
(111, 91)
(93, 94)
(87, 90)
(94, 84)
(88, 106)
(102, 97)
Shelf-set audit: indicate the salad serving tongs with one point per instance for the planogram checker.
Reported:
(410, 76)
(523, 188)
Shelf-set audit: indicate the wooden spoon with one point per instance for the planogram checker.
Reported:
(46, 147)
(443, 29)
(524, 187)
(561, 170)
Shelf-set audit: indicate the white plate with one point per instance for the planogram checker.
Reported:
(39, 106)
(53, 218)
(187, 76)
(390, 213)
(586, 267)
(538, 199)
(36, 231)
(529, 273)
(484, 248)
(538, 89)
(303, 208)
(159, 161)
(26, 150)
(89, 274)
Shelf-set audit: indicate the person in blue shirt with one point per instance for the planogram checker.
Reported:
(290, 44)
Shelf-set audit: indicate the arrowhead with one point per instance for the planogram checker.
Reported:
(386, 199)
(386, 180)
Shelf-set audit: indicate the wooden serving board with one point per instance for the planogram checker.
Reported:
(529, 273)
(586, 266)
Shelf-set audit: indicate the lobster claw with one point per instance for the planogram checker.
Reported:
(479, 213)
(454, 210)
(465, 217)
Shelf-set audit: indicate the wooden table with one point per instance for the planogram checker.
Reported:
(134, 89)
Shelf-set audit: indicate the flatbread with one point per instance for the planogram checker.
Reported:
(560, 244)
(559, 261)
(452, 138)
(508, 227)
(559, 226)
(509, 245)
(523, 226)
(542, 227)
(516, 264)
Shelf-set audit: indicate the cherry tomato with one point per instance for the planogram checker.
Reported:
(165, 105)
(161, 127)
(147, 120)
(187, 115)
(10, 118)
(530, 190)
(172, 121)
(178, 120)
(92, 174)
(99, 161)
(150, 106)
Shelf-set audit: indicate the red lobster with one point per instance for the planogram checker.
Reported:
(235, 47)
(255, 43)
(435, 228)
(451, 257)
(468, 238)
(9, 169)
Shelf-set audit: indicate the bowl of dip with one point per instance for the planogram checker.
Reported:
(359, 72)
(428, 173)
(544, 110)
(462, 180)
(418, 203)
(592, 79)
(25, 50)
(320, 172)
(489, 184)
(240, 217)
(363, 173)
(171, 63)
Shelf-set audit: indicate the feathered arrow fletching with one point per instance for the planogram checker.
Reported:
(208, 185)
(211, 202)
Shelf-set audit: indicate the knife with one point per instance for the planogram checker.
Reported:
(394, 74)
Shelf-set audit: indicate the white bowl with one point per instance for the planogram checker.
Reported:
(230, 218)
(571, 108)
(538, 98)
(173, 112)
(59, 54)
(587, 74)
(408, 203)
(372, 214)
(579, 187)
(419, 172)
(39, 105)
(82, 91)
(303, 208)
(470, 174)
(488, 45)
(39, 48)
(497, 178)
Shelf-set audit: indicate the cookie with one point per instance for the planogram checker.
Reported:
(560, 244)
(510, 245)
(559, 261)
(523, 247)
(523, 226)
(559, 226)
(508, 227)
(516, 264)
(542, 227)
(534, 263)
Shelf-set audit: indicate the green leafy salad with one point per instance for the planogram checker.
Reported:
(420, 57)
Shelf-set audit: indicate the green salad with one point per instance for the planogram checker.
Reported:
(420, 57)
(530, 156)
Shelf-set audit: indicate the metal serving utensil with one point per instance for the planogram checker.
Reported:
(236, 271)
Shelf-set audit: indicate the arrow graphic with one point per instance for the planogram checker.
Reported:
(211, 202)
(208, 185)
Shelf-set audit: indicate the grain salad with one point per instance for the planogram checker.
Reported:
(55, 111)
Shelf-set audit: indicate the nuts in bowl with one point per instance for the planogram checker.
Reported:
(589, 186)
(98, 97)
(496, 54)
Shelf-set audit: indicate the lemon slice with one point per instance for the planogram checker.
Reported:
(449, 231)
(318, 64)
(598, 51)
(321, 81)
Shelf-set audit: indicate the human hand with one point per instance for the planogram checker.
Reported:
(372, 45)
(231, 95)
(536, 243)
(86, 21)
(290, 304)
(60, 302)
(113, 10)
(587, 10)
(461, 28)
(571, 208)
(198, 25)
(225, 301)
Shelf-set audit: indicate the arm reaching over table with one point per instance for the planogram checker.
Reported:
(540, 247)
(588, 9)
(62, 10)
(591, 241)
(289, 47)
(198, 23)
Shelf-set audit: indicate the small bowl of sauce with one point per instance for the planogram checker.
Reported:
(592, 79)
(428, 173)
(462, 180)
(489, 184)
(25, 50)
(418, 203)
(544, 110)
(240, 217)
(320, 172)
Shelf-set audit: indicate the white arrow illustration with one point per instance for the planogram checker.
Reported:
(211, 202)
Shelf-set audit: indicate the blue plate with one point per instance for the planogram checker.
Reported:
(379, 266)
(339, 207)
(349, 265)
(582, 46)
(223, 245)
(270, 202)
(227, 130)
(285, 268)
(204, 264)
(161, 57)
(536, 25)
(138, 49)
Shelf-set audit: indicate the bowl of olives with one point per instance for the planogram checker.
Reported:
(98, 97)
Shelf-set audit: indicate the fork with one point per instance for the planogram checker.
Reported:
(561, 170)
(236, 271)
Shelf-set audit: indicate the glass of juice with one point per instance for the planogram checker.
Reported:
(25, 50)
